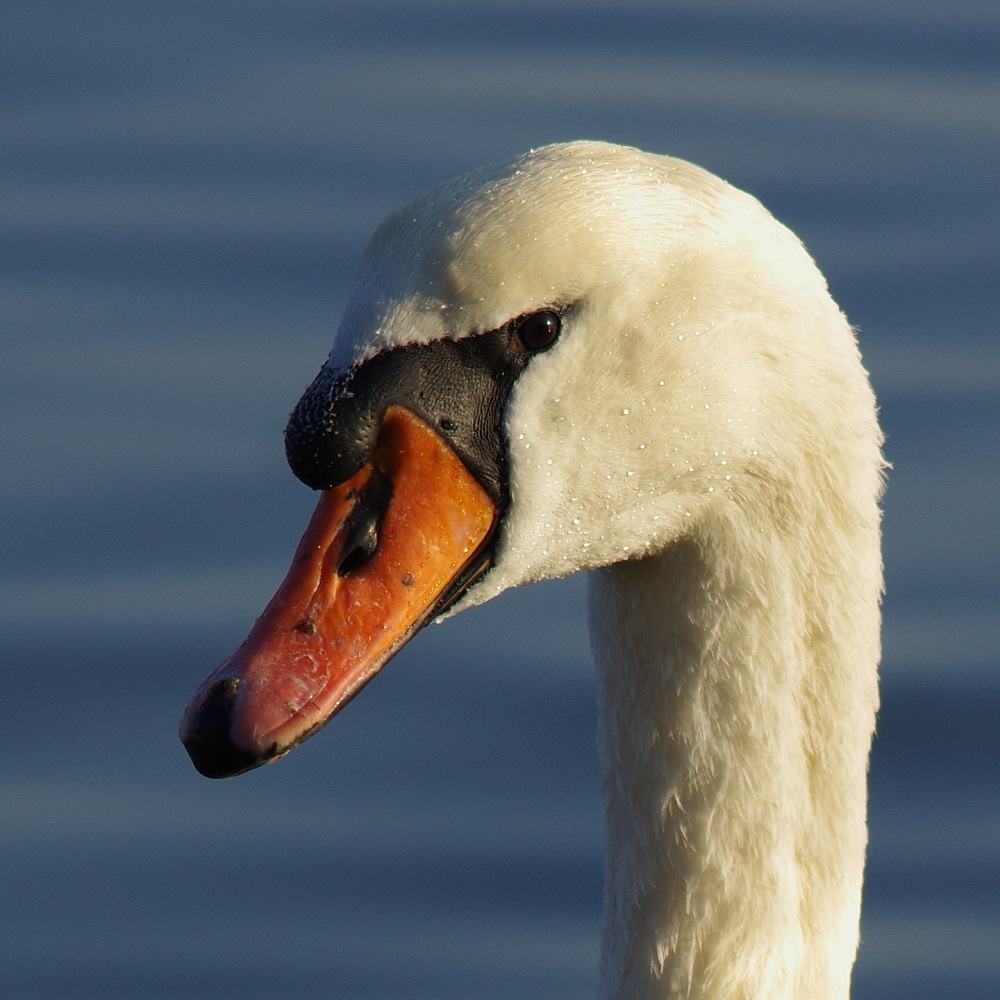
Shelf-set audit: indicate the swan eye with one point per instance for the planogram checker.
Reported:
(536, 331)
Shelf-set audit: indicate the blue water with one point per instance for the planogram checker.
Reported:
(184, 191)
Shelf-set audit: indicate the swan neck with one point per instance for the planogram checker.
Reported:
(737, 690)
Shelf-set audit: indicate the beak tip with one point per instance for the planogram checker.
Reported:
(206, 732)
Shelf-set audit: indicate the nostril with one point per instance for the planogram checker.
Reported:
(360, 532)
(358, 549)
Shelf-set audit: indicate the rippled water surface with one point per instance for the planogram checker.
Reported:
(184, 192)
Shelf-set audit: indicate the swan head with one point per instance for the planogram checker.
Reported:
(597, 347)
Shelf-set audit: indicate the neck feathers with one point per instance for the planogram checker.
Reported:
(737, 687)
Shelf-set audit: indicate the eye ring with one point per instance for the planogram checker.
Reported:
(537, 331)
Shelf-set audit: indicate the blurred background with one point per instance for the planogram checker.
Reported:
(185, 189)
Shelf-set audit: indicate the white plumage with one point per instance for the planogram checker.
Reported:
(704, 436)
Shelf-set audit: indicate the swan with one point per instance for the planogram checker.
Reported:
(595, 358)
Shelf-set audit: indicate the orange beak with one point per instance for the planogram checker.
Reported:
(384, 552)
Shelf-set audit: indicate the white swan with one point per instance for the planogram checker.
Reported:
(643, 374)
